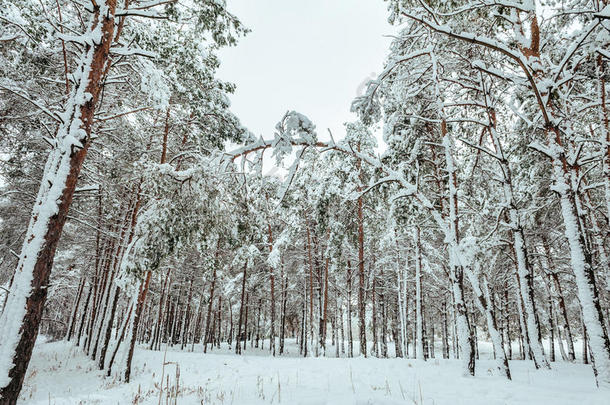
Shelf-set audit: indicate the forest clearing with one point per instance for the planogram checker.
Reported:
(61, 374)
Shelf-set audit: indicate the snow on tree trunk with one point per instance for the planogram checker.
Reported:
(527, 293)
(524, 270)
(587, 292)
(206, 333)
(272, 297)
(21, 318)
(465, 338)
(483, 303)
(361, 277)
(139, 305)
(419, 325)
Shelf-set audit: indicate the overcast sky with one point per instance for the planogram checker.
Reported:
(311, 56)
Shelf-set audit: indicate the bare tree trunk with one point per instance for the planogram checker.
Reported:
(419, 325)
(551, 331)
(136, 319)
(375, 348)
(310, 260)
(120, 339)
(518, 245)
(304, 321)
(187, 314)
(144, 285)
(483, 302)
(219, 321)
(507, 325)
(272, 292)
(350, 339)
(384, 317)
(242, 307)
(341, 328)
(361, 277)
(206, 332)
(258, 322)
(445, 332)
(197, 329)
(324, 320)
(466, 341)
(525, 340)
(397, 334)
(164, 292)
(84, 315)
(106, 341)
(284, 303)
(585, 345)
(564, 316)
(79, 294)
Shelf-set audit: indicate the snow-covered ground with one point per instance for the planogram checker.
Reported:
(61, 374)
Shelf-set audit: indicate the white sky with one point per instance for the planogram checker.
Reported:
(312, 56)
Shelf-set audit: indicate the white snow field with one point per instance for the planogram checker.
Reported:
(61, 374)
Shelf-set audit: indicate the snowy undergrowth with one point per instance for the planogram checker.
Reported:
(61, 374)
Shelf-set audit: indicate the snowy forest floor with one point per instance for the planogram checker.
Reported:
(61, 374)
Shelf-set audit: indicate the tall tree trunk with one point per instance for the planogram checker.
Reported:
(397, 334)
(483, 302)
(324, 320)
(155, 345)
(272, 297)
(350, 338)
(120, 339)
(524, 269)
(84, 315)
(108, 333)
(284, 303)
(144, 285)
(507, 324)
(445, 332)
(361, 277)
(375, 348)
(560, 299)
(197, 329)
(21, 317)
(206, 332)
(384, 317)
(342, 329)
(139, 306)
(419, 325)
(588, 295)
(551, 331)
(242, 307)
(187, 314)
(465, 338)
(311, 271)
(585, 345)
(79, 294)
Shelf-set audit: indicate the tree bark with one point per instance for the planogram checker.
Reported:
(21, 317)
(136, 319)
(241, 310)
(206, 332)
(419, 325)
(79, 294)
(350, 338)
(272, 292)
(361, 292)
